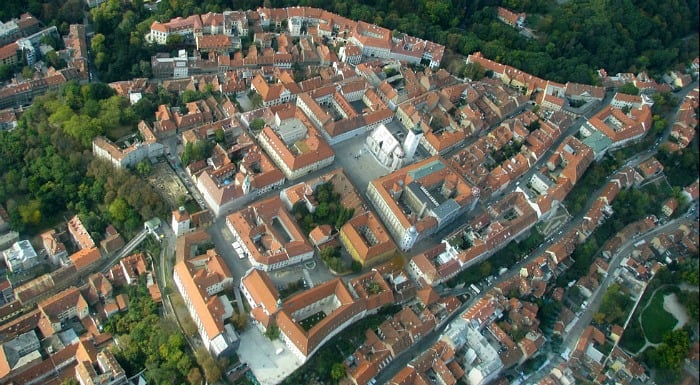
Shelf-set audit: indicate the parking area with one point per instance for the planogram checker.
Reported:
(315, 271)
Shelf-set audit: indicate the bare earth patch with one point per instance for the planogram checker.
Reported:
(166, 183)
(674, 307)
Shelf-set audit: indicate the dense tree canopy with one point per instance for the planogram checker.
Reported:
(47, 170)
(572, 40)
(147, 341)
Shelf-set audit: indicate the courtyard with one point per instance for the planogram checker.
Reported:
(313, 320)
(270, 361)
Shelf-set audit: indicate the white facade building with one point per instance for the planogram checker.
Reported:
(385, 148)
(21, 256)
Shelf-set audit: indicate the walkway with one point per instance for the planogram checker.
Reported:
(128, 248)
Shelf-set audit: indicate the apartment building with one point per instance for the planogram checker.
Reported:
(62, 306)
(131, 152)
(199, 280)
(366, 239)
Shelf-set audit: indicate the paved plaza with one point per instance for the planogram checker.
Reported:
(263, 359)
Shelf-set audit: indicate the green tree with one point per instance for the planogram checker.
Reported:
(98, 43)
(337, 371)
(272, 332)
(257, 124)
(27, 73)
(212, 372)
(219, 135)
(668, 357)
(190, 96)
(31, 212)
(691, 302)
(474, 71)
(255, 99)
(629, 89)
(6, 72)
(144, 167)
(239, 321)
(119, 209)
(485, 269)
(194, 377)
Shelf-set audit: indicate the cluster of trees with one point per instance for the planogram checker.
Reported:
(196, 151)
(615, 306)
(147, 341)
(548, 313)
(60, 13)
(328, 212)
(506, 152)
(86, 111)
(257, 124)
(506, 257)
(47, 171)
(667, 358)
(332, 258)
(592, 179)
(681, 167)
(119, 50)
(213, 368)
(691, 302)
(292, 287)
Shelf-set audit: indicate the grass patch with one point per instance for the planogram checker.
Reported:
(633, 337)
(192, 207)
(119, 132)
(313, 320)
(655, 320)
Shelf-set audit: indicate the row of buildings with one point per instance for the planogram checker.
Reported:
(62, 337)
(370, 40)
(29, 50)
(501, 330)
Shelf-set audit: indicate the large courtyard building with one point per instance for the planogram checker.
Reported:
(269, 235)
(420, 199)
(294, 144)
(309, 319)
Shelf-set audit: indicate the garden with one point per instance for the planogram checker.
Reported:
(313, 320)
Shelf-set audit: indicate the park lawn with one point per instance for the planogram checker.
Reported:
(633, 338)
(655, 320)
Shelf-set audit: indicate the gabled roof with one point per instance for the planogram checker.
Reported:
(261, 289)
(85, 258)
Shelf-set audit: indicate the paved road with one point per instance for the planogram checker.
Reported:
(584, 318)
